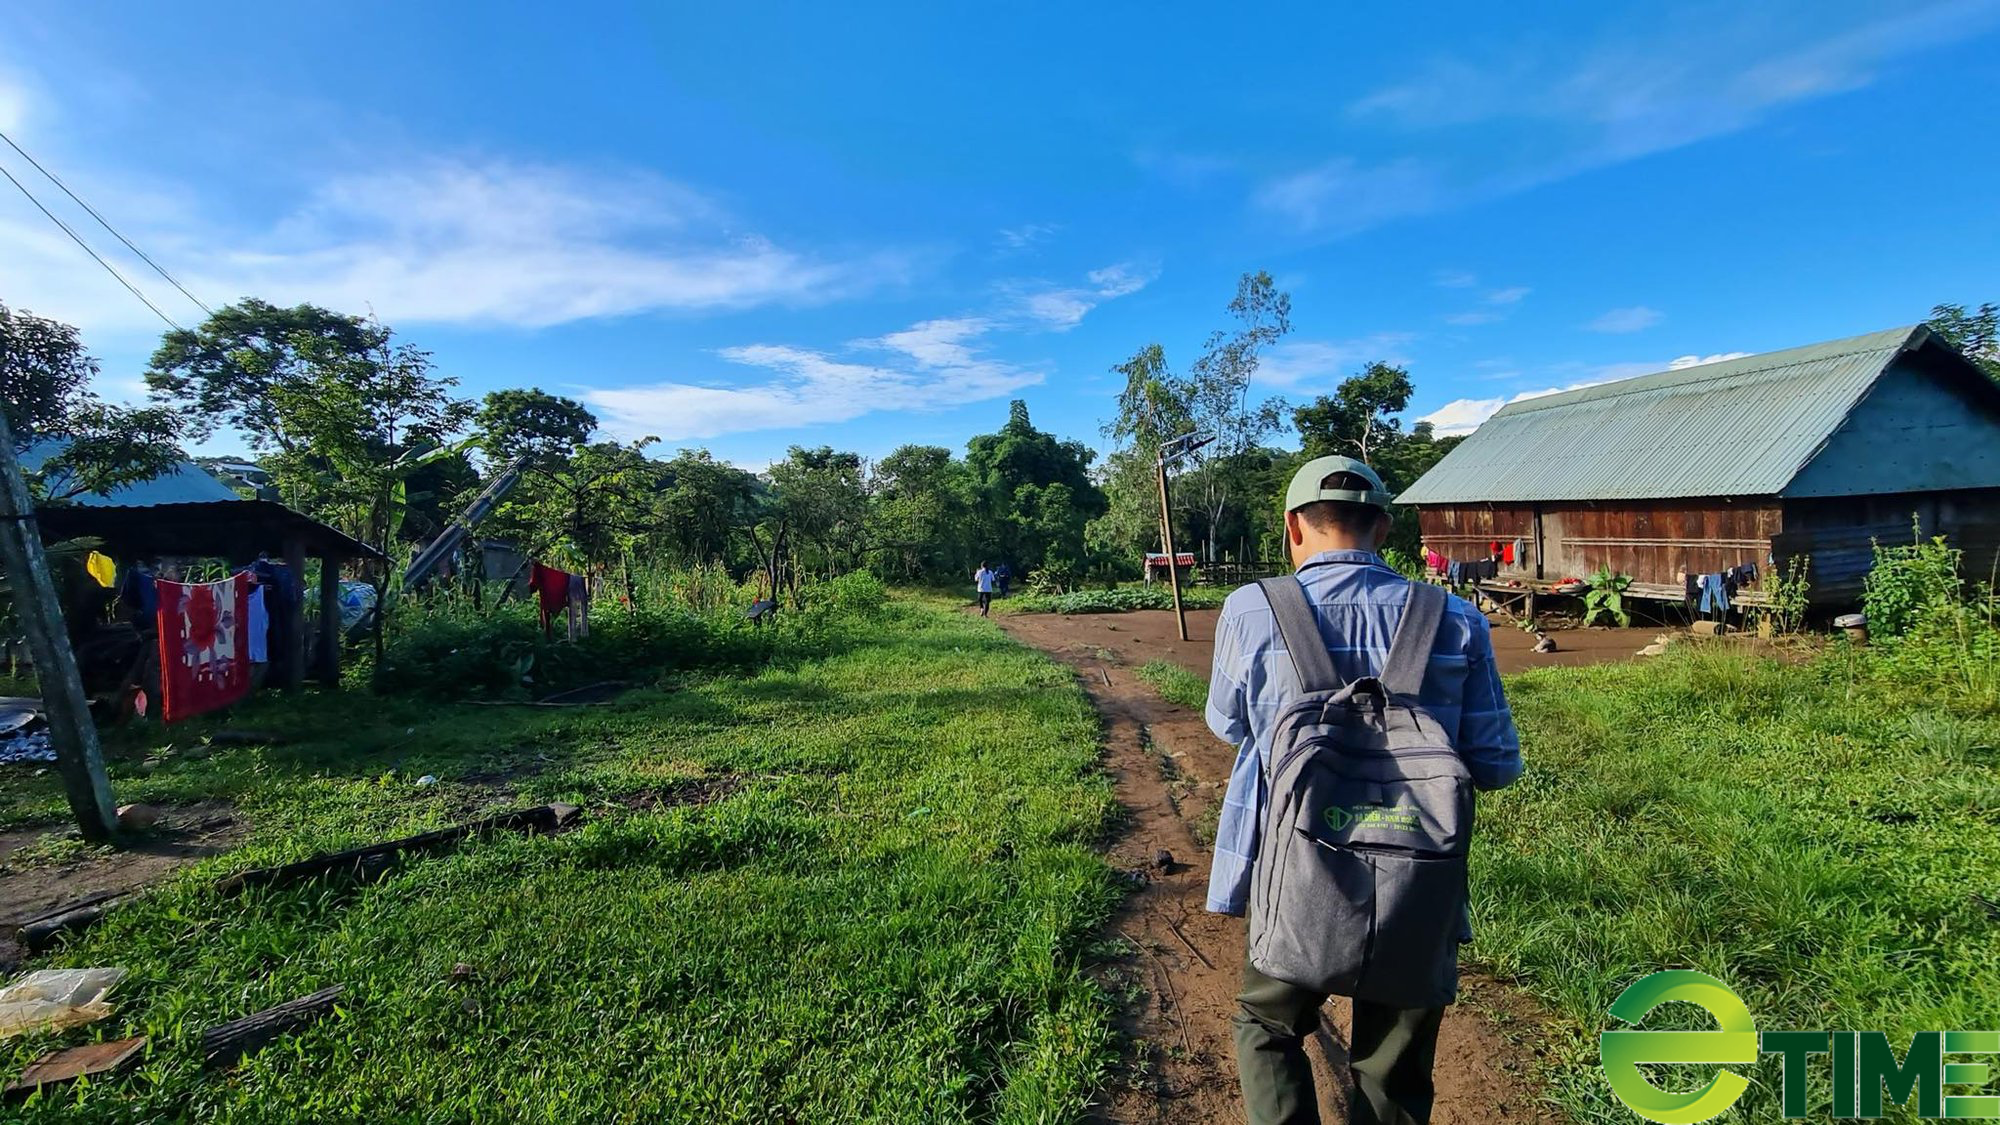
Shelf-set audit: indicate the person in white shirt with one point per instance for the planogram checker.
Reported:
(984, 577)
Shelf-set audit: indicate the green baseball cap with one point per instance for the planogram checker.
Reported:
(1305, 487)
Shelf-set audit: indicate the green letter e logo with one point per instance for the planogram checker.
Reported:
(1623, 1051)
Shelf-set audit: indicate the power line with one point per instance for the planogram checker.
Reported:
(76, 238)
(101, 221)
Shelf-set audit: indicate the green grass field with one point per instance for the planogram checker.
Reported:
(1823, 835)
(1175, 683)
(885, 922)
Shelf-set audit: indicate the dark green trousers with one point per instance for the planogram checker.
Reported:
(1390, 1057)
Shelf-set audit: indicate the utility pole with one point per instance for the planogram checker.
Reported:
(71, 731)
(1170, 451)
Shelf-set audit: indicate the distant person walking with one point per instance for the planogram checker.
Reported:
(983, 578)
(1002, 575)
(1368, 822)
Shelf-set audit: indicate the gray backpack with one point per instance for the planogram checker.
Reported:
(1360, 883)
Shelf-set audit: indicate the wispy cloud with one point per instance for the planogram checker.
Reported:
(1063, 308)
(465, 241)
(1496, 305)
(934, 365)
(1025, 235)
(1455, 279)
(1677, 77)
(1310, 364)
(1632, 319)
(1343, 195)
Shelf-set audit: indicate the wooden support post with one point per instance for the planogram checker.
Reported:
(329, 620)
(72, 732)
(295, 624)
(1173, 557)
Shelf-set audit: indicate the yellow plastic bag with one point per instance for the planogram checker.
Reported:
(101, 568)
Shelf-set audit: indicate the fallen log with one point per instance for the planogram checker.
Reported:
(373, 860)
(223, 1045)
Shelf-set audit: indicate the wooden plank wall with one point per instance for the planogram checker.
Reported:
(1838, 534)
(1653, 541)
(1467, 531)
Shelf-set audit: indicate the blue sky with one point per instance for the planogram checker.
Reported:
(749, 226)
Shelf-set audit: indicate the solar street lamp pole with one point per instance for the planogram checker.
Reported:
(1167, 537)
(1169, 451)
(72, 733)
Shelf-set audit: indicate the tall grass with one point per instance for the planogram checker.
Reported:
(1822, 836)
(886, 920)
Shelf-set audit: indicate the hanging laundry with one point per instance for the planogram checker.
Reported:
(138, 595)
(257, 621)
(1521, 551)
(101, 568)
(551, 588)
(204, 650)
(1693, 590)
(579, 607)
(1507, 553)
(1714, 597)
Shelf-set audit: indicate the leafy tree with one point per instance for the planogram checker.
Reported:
(356, 427)
(1359, 418)
(1015, 525)
(1214, 398)
(1975, 333)
(920, 508)
(588, 511)
(1218, 397)
(238, 365)
(542, 427)
(821, 498)
(45, 388)
(702, 504)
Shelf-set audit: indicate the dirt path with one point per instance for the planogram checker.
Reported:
(1170, 775)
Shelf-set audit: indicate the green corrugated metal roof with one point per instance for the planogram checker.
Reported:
(1741, 427)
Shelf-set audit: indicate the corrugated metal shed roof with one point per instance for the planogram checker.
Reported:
(186, 483)
(1742, 427)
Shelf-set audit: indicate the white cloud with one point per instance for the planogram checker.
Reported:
(1341, 195)
(1293, 364)
(1632, 319)
(1498, 303)
(1462, 416)
(938, 368)
(1025, 235)
(13, 104)
(1455, 279)
(1062, 309)
(1509, 296)
(448, 241)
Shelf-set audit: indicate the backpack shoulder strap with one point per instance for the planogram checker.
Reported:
(1410, 652)
(1299, 627)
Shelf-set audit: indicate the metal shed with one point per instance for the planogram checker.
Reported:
(187, 512)
(1814, 451)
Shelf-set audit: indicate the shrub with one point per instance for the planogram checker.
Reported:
(1909, 583)
(1119, 600)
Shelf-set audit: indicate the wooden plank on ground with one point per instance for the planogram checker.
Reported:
(375, 858)
(68, 1065)
(223, 1045)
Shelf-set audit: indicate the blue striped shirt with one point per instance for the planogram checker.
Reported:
(1358, 601)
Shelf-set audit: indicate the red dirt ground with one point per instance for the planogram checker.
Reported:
(1170, 774)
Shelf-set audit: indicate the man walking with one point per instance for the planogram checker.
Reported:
(983, 578)
(1336, 518)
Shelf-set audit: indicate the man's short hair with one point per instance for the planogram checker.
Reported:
(1330, 516)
